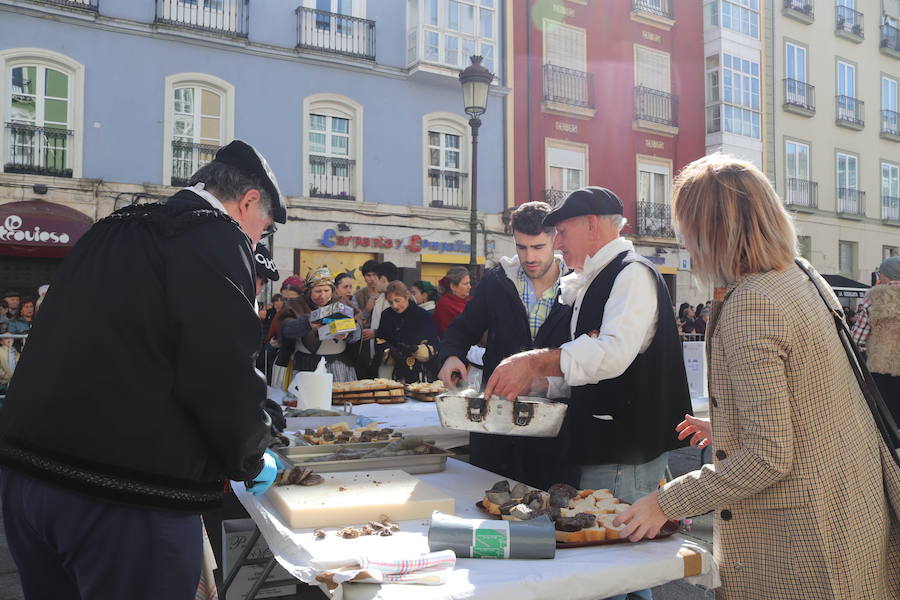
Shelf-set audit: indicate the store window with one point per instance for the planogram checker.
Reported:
(332, 165)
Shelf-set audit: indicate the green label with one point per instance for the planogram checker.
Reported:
(490, 543)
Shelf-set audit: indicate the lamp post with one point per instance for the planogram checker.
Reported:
(476, 81)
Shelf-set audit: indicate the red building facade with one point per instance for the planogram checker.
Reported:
(609, 93)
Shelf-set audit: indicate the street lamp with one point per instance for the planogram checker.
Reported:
(476, 81)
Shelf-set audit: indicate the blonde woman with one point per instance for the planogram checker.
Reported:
(805, 492)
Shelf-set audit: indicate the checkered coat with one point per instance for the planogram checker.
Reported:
(805, 493)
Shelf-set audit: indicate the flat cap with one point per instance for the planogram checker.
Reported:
(265, 266)
(586, 201)
(244, 157)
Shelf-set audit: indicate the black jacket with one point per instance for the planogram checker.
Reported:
(496, 307)
(401, 334)
(165, 403)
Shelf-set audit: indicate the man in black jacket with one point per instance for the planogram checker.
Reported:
(116, 433)
(516, 304)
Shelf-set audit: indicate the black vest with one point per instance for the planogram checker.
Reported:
(646, 402)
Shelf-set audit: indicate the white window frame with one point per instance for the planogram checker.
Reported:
(891, 185)
(577, 62)
(853, 247)
(418, 28)
(358, 7)
(843, 79)
(639, 76)
(19, 57)
(887, 82)
(453, 124)
(796, 56)
(550, 143)
(743, 87)
(713, 92)
(744, 9)
(202, 81)
(787, 154)
(647, 164)
(848, 158)
(335, 105)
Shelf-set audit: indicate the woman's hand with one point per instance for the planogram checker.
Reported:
(367, 334)
(317, 325)
(700, 431)
(340, 337)
(645, 518)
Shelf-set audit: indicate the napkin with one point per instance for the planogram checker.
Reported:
(425, 569)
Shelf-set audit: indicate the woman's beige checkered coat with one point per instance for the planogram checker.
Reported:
(805, 493)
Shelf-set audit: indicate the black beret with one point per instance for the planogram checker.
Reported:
(586, 201)
(265, 266)
(244, 157)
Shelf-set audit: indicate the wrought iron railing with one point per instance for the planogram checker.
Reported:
(890, 209)
(38, 150)
(851, 110)
(447, 189)
(655, 106)
(230, 17)
(801, 6)
(654, 219)
(332, 178)
(848, 20)
(851, 201)
(554, 197)
(187, 157)
(801, 192)
(890, 37)
(799, 93)
(890, 122)
(568, 86)
(659, 8)
(336, 33)
(82, 4)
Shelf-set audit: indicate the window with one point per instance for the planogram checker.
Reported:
(40, 113)
(804, 246)
(799, 190)
(741, 16)
(454, 30)
(889, 251)
(564, 46)
(890, 119)
(654, 216)
(848, 196)
(653, 184)
(740, 93)
(890, 191)
(227, 16)
(446, 160)
(847, 258)
(651, 69)
(713, 94)
(199, 119)
(565, 169)
(332, 147)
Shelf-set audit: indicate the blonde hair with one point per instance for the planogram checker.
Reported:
(731, 220)
(396, 288)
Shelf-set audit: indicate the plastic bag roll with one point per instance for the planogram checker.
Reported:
(489, 538)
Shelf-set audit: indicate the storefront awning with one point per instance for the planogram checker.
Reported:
(37, 228)
(845, 287)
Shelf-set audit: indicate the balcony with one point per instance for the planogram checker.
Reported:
(335, 33)
(332, 178)
(851, 203)
(38, 150)
(890, 125)
(555, 197)
(89, 5)
(890, 210)
(187, 157)
(801, 10)
(801, 194)
(655, 111)
(848, 23)
(890, 40)
(447, 189)
(799, 97)
(850, 112)
(568, 92)
(224, 17)
(654, 219)
(660, 13)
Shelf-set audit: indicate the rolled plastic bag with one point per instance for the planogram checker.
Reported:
(489, 538)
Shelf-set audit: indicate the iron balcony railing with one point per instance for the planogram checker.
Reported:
(890, 37)
(890, 122)
(851, 110)
(38, 150)
(554, 197)
(801, 192)
(82, 4)
(335, 33)
(568, 86)
(801, 6)
(447, 189)
(659, 8)
(890, 209)
(187, 157)
(229, 17)
(655, 106)
(332, 178)
(654, 219)
(848, 20)
(851, 201)
(799, 93)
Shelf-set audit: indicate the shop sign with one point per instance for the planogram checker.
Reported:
(415, 244)
(37, 228)
(11, 231)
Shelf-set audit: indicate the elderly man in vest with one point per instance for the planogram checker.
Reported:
(624, 366)
(877, 329)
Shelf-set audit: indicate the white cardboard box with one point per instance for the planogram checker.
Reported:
(235, 537)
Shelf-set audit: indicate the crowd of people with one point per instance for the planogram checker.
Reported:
(16, 318)
(691, 321)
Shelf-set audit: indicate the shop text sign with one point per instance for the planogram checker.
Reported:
(416, 243)
(12, 231)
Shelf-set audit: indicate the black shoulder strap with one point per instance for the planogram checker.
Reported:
(883, 418)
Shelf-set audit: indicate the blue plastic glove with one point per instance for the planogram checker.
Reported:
(263, 481)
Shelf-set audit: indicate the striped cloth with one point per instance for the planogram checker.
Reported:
(206, 588)
(425, 569)
(536, 308)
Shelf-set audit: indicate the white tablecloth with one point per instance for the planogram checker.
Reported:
(582, 573)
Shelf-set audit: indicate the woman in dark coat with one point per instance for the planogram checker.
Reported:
(407, 337)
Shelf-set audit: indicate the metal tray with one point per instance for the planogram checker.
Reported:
(412, 464)
(526, 416)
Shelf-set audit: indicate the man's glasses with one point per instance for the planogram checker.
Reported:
(271, 229)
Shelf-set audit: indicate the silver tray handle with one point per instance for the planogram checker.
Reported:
(475, 409)
(523, 412)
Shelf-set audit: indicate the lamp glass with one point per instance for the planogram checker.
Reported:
(475, 94)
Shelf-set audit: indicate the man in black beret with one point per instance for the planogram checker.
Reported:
(109, 455)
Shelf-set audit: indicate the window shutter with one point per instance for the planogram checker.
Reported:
(652, 69)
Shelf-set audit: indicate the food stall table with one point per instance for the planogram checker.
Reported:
(580, 573)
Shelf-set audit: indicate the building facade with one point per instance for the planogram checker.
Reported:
(834, 153)
(610, 93)
(355, 103)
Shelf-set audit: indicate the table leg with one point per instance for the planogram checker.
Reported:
(267, 570)
(229, 579)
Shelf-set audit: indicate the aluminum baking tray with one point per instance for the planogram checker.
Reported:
(413, 464)
(526, 416)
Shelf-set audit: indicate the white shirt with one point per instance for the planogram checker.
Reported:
(629, 319)
(212, 200)
(381, 304)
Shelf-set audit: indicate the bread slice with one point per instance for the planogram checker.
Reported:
(601, 494)
(492, 508)
(607, 506)
(612, 530)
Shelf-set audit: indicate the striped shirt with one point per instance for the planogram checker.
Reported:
(537, 309)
